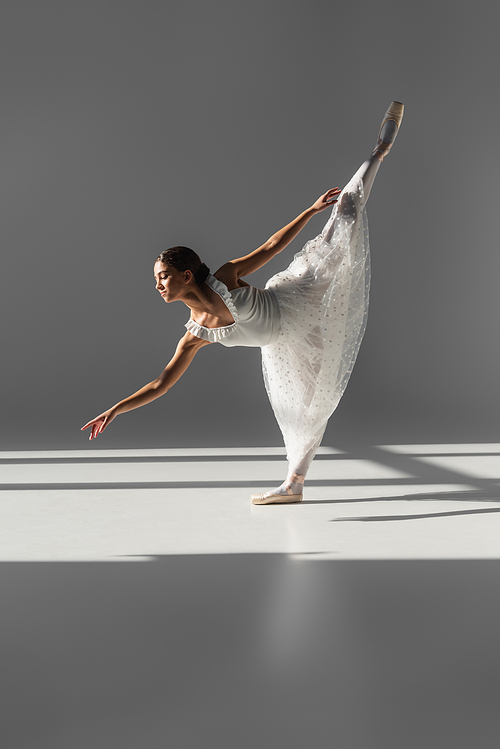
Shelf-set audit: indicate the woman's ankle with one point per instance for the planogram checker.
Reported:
(385, 140)
(293, 484)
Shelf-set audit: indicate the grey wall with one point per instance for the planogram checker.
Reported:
(128, 127)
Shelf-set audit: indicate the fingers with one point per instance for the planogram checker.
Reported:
(90, 424)
(331, 194)
(328, 196)
(96, 427)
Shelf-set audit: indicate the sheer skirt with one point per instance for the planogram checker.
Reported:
(323, 301)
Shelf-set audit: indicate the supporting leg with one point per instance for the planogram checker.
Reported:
(293, 485)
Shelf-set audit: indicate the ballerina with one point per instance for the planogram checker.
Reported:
(309, 320)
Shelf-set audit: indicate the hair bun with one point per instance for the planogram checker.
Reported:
(201, 274)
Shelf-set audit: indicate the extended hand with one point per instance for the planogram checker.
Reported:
(326, 200)
(100, 423)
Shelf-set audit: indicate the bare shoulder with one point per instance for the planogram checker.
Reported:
(228, 274)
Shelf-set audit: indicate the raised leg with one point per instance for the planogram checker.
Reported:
(386, 137)
(368, 171)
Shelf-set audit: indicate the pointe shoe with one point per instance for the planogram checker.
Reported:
(394, 114)
(275, 499)
(278, 499)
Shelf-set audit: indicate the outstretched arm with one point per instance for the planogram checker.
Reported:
(249, 263)
(184, 355)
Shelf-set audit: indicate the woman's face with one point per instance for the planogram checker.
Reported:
(171, 283)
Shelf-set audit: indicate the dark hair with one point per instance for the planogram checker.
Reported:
(183, 258)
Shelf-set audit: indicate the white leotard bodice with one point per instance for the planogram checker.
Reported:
(255, 312)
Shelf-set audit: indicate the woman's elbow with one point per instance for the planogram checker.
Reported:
(160, 386)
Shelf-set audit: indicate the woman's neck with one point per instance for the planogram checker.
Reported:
(201, 300)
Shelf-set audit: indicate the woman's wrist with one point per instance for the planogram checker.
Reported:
(141, 398)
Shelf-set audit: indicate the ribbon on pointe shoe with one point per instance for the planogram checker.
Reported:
(293, 478)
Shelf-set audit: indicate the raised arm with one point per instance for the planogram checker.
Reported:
(184, 355)
(242, 266)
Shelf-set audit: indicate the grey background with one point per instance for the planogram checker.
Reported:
(128, 127)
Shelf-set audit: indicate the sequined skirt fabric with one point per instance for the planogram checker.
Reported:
(323, 301)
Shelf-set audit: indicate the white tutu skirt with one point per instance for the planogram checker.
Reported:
(323, 301)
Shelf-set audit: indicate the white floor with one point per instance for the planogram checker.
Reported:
(367, 617)
(384, 502)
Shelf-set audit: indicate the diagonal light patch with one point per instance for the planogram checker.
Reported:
(147, 504)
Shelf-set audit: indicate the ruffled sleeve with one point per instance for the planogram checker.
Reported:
(215, 335)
